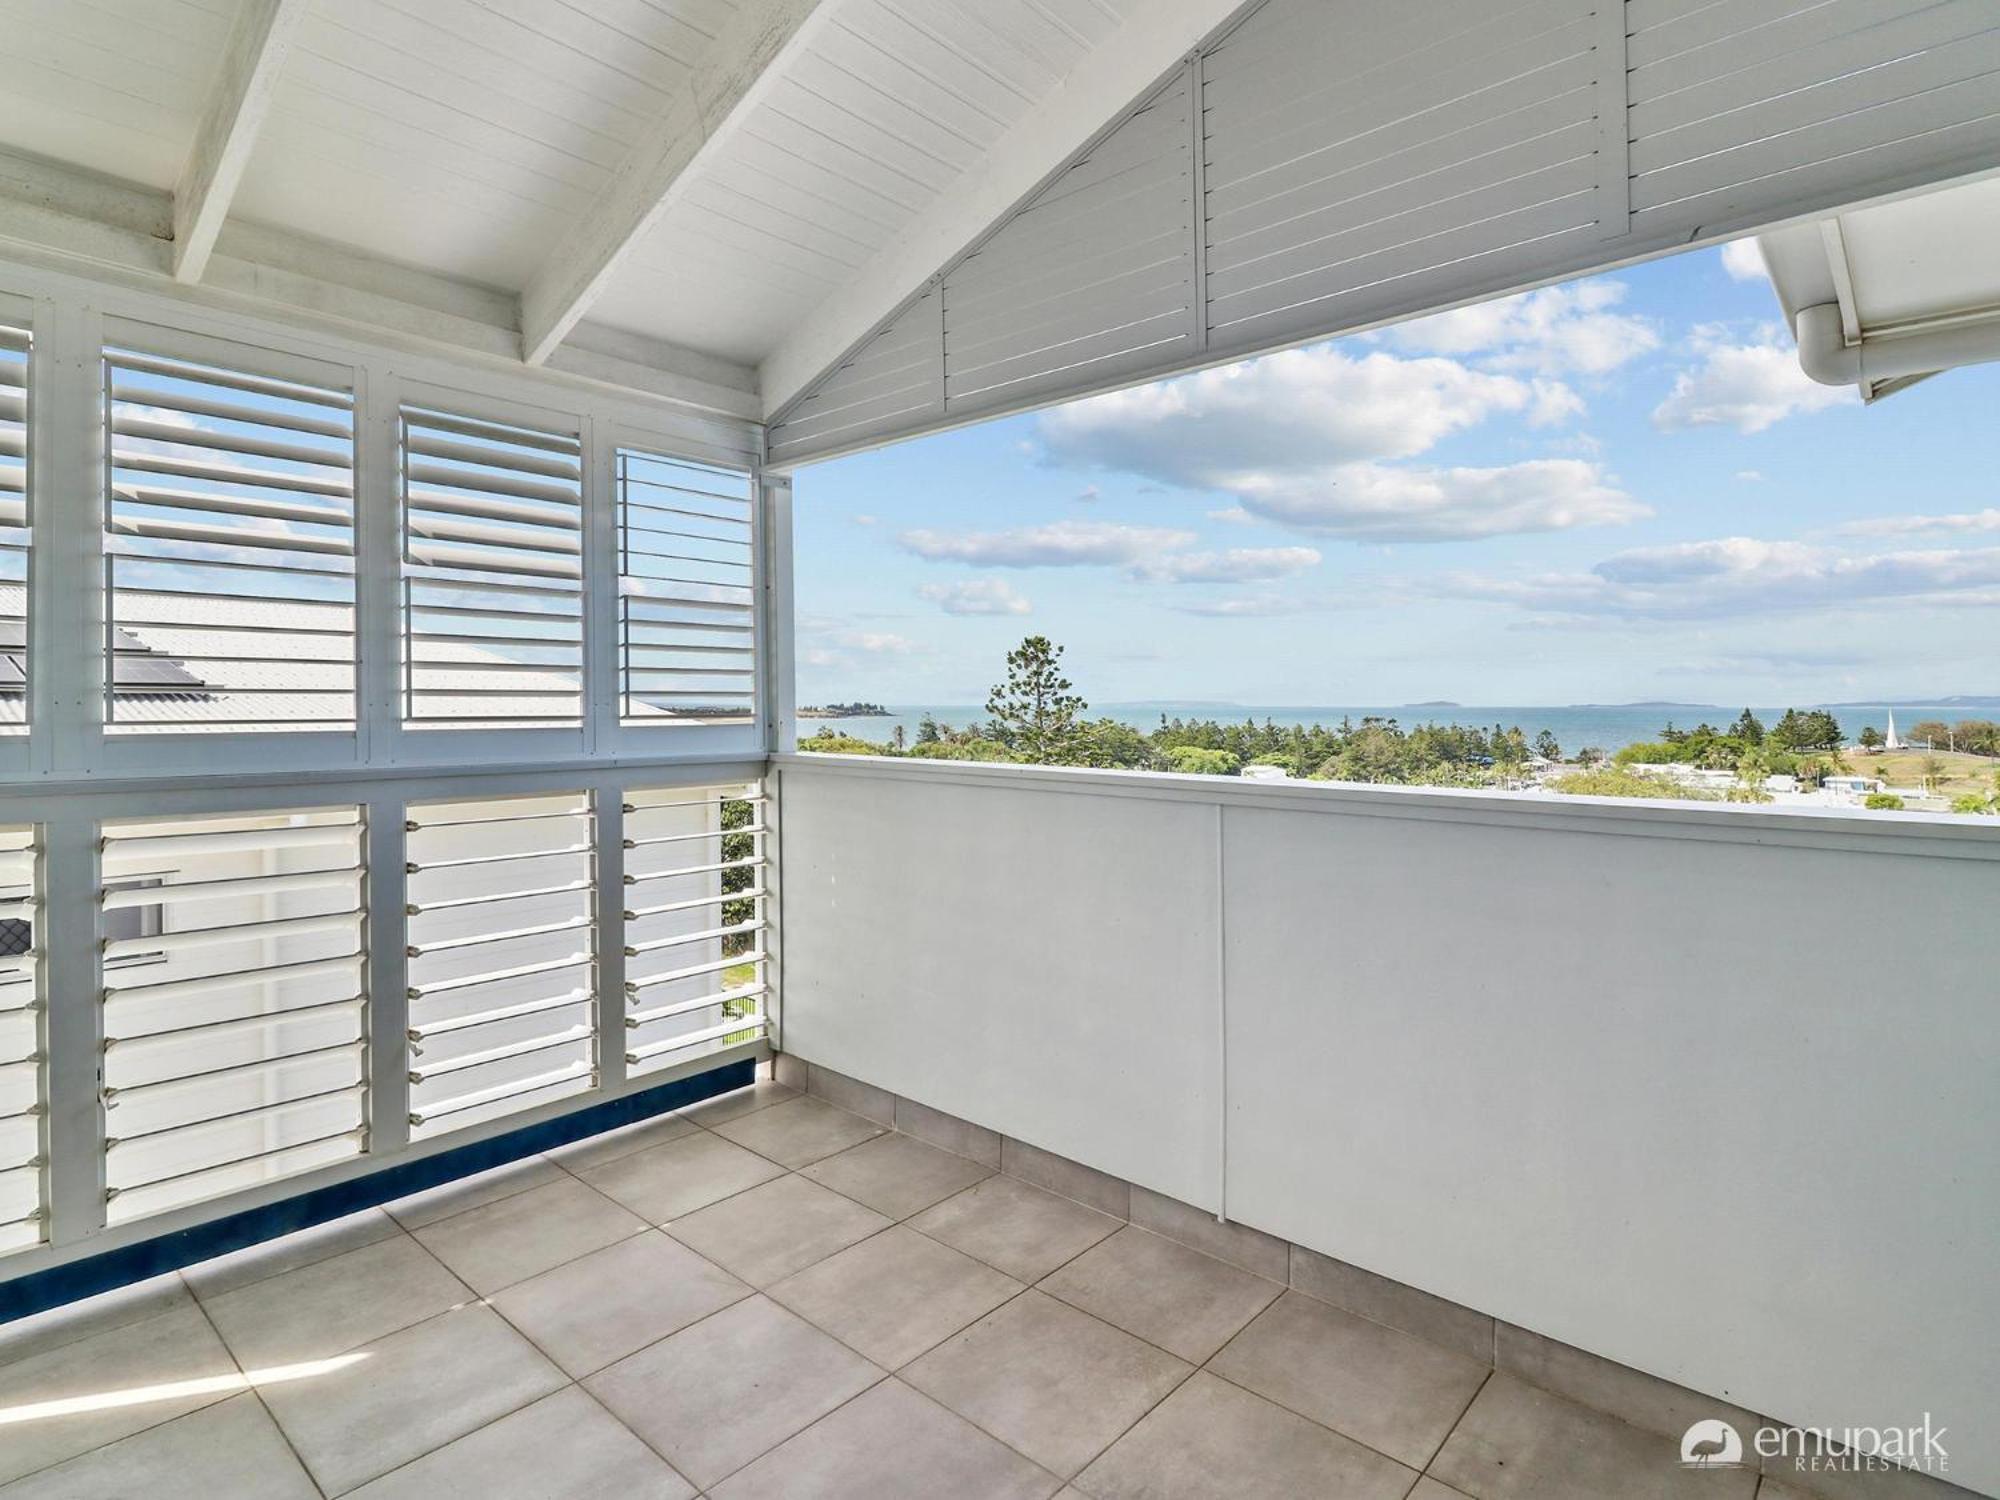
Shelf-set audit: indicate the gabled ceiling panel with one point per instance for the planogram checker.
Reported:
(114, 87)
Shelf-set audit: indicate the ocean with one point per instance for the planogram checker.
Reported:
(1607, 727)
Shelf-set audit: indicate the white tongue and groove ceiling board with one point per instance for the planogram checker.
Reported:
(896, 101)
(117, 89)
(464, 134)
(1362, 163)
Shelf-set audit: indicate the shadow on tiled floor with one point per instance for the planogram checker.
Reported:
(768, 1296)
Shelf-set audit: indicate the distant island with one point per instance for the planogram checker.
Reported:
(1644, 703)
(1435, 703)
(845, 711)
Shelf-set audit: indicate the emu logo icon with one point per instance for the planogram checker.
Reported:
(1711, 1444)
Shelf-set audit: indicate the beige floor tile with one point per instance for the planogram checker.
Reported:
(1429, 1489)
(1051, 1381)
(766, 1234)
(407, 1394)
(896, 1175)
(890, 1442)
(229, 1451)
(1518, 1443)
(334, 1305)
(607, 1304)
(713, 1397)
(449, 1198)
(595, 1150)
(1394, 1392)
(798, 1131)
(141, 1363)
(226, 1273)
(74, 1321)
(894, 1294)
(1211, 1439)
(1016, 1227)
(1188, 1303)
(501, 1243)
(564, 1447)
(739, 1102)
(661, 1183)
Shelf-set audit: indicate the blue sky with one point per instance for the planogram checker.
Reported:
(1614, 490)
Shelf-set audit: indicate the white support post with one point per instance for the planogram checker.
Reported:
(603, 687)
(385, 885)
(68, 593)
(776, 626)
(72, 986)
(378, 571)
(609, 803)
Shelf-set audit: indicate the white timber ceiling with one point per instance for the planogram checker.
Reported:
(654, 191)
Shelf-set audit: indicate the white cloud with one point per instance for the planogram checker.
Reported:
(1234, 515)
(1305, 439)
(978, 596)
(866, 520)
(1387, 503)
(1743, 260)
(1060, 544)
(1301, 408)
(1252, 607)
(1559, 328)
(1750, 476)
(876, 642)
(1089, 493)
(1974, 521)
(1237, 565)
(1748, 386)
(1739, 575)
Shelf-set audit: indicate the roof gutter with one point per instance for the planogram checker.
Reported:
(1827, 357)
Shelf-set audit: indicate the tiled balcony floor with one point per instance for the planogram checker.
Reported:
(768, 1296)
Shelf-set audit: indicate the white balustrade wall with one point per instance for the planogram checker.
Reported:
(1711, 1092)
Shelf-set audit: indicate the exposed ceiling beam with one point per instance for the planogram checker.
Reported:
(1107, 80)
(726, 82)
(75, 222)
(243, 92)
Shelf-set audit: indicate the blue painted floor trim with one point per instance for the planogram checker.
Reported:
(41, 1290)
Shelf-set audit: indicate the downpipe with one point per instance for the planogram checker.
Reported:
(1827, 357)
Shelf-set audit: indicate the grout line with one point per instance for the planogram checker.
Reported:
(263, 1405)
(1455, 1422)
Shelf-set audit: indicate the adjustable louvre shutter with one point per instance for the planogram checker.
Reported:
(502, 957)
(686, 592)
(235, 1002)
(493, 573)
(15, 354)
(229, 550)
(1759, 101)
(1348, 166)
(894, 382)
(696, 971)
(23, 1065)
(1094, 277)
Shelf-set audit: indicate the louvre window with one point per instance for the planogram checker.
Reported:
(235, 1021)
(687, 610)
(14, 534)
(493, 573)
(502, 953)
(695, 921)
(229, 550)
(23, 1070)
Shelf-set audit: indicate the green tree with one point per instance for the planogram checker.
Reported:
(1547, 747)
(1034, 712)
(1747, 729)
(1191, 760)
(1870, 738)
